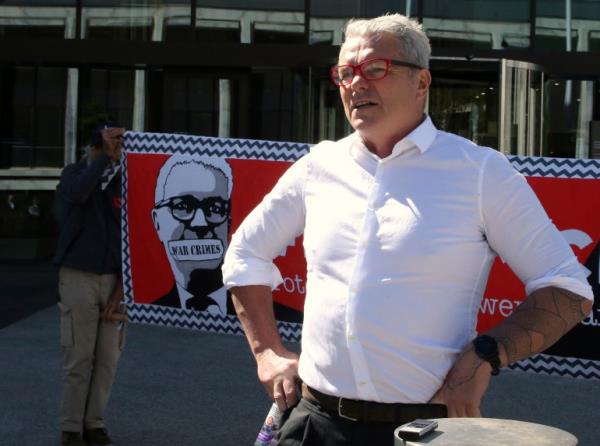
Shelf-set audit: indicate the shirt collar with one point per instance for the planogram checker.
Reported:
(421, 137)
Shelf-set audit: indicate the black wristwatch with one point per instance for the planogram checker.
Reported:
(486, 348)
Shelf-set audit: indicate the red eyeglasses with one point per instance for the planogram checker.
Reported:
(371, 70)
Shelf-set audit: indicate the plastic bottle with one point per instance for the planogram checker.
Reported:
(268, 432)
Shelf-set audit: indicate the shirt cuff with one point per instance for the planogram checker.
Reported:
(579, 286)
(251, 272)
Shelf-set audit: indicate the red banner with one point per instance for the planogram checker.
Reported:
(168, 263)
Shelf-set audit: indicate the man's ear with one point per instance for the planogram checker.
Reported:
(155, 220)
(423, 82)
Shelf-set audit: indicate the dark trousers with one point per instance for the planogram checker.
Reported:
(308, 424)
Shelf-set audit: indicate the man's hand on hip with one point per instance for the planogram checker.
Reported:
(465, 385)
(278, 372)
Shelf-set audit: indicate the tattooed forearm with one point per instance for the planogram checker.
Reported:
(470, 371)
(539, 322)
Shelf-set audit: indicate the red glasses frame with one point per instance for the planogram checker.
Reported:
(337, 81)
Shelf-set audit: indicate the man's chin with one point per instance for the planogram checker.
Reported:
(362, 123)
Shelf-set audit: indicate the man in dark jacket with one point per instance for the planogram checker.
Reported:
(87, 208)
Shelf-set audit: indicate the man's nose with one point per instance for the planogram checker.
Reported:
(199, 219)
(358, 81)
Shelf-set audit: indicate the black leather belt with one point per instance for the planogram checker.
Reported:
(371, 411)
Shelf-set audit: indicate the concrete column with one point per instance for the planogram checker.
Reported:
(139, 101)
(224, 108)
(584, 116)
(71, 116)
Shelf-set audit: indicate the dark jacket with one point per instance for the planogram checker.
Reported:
(88, 218)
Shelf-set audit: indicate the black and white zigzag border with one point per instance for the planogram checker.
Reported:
(137, 142)
(559, 366)
(556, 167)
(203, 321)
(126, 260)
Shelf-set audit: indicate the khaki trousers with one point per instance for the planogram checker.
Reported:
(91, 348)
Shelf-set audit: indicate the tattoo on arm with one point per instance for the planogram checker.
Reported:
(463, 378)
(540, 321)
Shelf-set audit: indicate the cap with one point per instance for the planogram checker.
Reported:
(96, 138)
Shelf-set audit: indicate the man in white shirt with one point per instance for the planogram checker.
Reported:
(401, 224)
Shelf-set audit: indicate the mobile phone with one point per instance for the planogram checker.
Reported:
(416, 429)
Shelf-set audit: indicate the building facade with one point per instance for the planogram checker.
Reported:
(522, 76)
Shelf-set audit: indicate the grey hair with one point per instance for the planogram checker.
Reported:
(219, 164)
(414, 43)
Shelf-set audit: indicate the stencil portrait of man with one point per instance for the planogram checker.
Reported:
(191, 215)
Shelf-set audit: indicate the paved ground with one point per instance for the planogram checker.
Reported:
(25, 287)
(183, 388)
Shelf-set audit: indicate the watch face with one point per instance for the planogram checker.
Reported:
(486, 347)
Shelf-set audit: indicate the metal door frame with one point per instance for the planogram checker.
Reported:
(505, 65)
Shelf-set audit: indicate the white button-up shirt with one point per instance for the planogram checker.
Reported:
(398, 253)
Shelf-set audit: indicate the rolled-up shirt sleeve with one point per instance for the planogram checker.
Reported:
(521, 233)
(267, 231)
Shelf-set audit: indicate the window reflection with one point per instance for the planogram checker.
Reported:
(328, 18)
(568, 112)
(277, 33)
(224, 31)
(279, 105)
(458, 39)
(37, 20)
(185, 101)
(557, 18)
(142, 20)
(27, 214)
(330, 118)
(466, 107)
(33, 116)
(595, 40)
(104, 94)
(477, 23)
(258, 21)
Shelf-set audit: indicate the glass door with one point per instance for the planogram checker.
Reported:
(463, 98)
(521, 108)
(570, 111)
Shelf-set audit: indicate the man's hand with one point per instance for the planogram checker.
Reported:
(113, 303)
(112, 138)
(465, 385)
(278, 372)
(277, 367)
(536, 324)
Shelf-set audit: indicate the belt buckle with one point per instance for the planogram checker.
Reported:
(340, 411)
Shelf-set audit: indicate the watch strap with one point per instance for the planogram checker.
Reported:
(486, 348)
